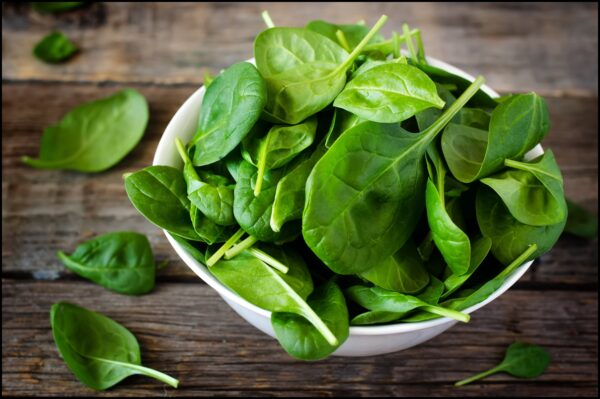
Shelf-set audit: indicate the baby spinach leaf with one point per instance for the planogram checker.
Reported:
(121, 261)
(191, 248)
(304, 71)
(98, 350)
(300, 338)
(231, 106)
(352, 219)
(516, 126)
(212, 194)
(56, 6)
(267, 288)
(207, 231)
(376, 298)
(94, 136)
(580, 222)
(521, 360)
(288, 203)
(253, 213)
(354, 33)
(159, 194)
(389, 93)
(278, 147)
(402, 272)
(532, 191)
(509, 236)
(55, 47)
(343, 121)
(479, 251)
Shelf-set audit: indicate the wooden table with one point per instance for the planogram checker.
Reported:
(184, 327)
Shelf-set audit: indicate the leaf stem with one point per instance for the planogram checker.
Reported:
(342, 39)
(453, 314)
(477, 377)
(269, 260)
(420, 50)
(436, 127)
(167, 379)
(247, 243)
(397, 43)
(358, 49)
(509, 163)
(390, 42)
(519, 261)
(267, 18)
(181, 150)
(262, 164)
(224, 248)
(409, 42)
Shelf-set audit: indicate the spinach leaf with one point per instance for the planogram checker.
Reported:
(521, 360)
(516, 126)
(191, 248)
(389, 93)
(56, 6)
(267, 288)
(580, 222)
(300, 338)
(479, 251)
(278, 147)
(304, 71)
(231, 106)
(509, 236)
(98, 350)
(121, 261)
(212, 195)
(253, 213)
(532, 191)
(376, 298)
(207, 231)
(55, 47)
(94, 136)
(352, 219)
(159, 194)
(290, 195)
(342, 121)
(354, 33)
(402, 272)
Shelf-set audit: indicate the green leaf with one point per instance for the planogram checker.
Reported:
(532, 191)
(55, 47)
(231, 106)
(56, 6)
(402, 272)
(479, 251)
(580, 222)
(159, 194)
(354, 33)
(304, 71)
(516, 126)
(389, 93)
(121, 262)
(300, 338)
(509, 236)
(94, 136)
(98, 350)
(352, 219)
(521, 360)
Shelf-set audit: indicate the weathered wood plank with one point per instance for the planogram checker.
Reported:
(533, 45)
(215, 352)
(44, 211)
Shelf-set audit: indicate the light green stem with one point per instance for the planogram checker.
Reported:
(358, 49)
(224, 248)
(181, 150)
(409, 42)
(342, 39)
(247, 243)
(396, 41)
(519, 261)
(267, 18)
(390, 42)
(420, 49)
(143, 370)
(453, 314)
(477, 377)
(262, 164)
(436, 127)
(269, 260)
(516, 165)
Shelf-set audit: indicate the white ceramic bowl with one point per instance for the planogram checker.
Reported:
(363, 341)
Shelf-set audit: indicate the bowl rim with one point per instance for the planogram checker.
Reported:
(165, 146)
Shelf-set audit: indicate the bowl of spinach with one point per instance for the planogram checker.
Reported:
(351, 197)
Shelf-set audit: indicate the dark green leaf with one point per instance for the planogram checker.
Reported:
(54, 47)
(580, 222)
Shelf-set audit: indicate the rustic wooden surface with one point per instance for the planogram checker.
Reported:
(184, 328)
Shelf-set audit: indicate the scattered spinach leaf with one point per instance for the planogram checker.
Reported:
(54, 47)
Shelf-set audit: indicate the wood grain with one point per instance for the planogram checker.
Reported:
(186, 330)
(547, 47)
(44, 210)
